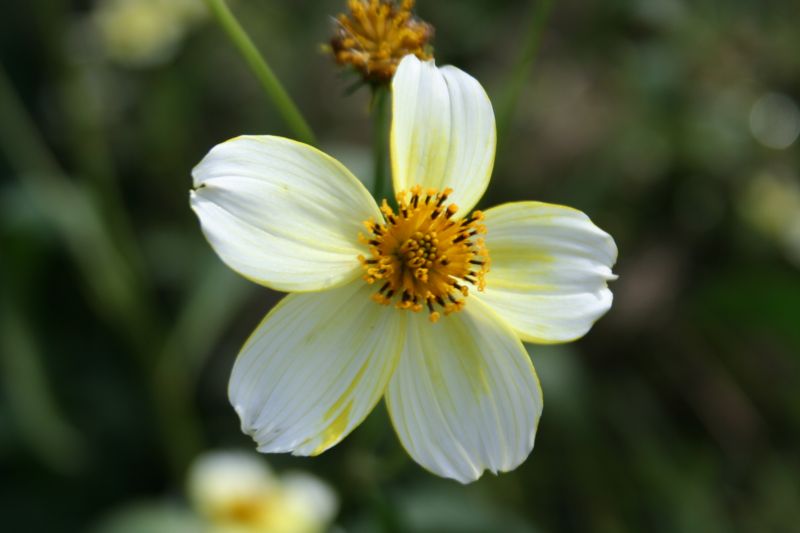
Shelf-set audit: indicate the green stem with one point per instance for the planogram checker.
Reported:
(380, 141)
(270, 83)
(541, 12)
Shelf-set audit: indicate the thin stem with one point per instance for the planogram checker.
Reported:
(380, 142)
(541, 12)
(269, 82)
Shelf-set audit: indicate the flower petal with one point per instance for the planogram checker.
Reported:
(443, 131)
(549, 272)
(314, 368)
(282, 213)
(314, 502)
(219, 480)
(465, 397)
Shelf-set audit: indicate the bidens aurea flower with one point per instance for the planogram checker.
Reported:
(425, 306)
(237, 492)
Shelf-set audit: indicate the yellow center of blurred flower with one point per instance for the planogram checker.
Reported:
(423, 256)
(377, 35)
(245, 511)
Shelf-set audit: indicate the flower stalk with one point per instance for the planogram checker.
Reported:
(261, 69)
(380, 141)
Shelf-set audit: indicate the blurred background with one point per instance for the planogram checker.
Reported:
(673, 124)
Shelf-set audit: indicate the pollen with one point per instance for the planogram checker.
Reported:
(377, 34)
(422, 257)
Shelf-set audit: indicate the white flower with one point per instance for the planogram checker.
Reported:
(460, 388)
(238, 493)
(145, 32)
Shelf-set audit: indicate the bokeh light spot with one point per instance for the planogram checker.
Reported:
(775, 121)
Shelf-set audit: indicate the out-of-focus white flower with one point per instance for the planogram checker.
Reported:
(144, 32)
(236, 492)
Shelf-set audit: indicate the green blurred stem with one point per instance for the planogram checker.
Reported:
(270, 83)
(380, 141)
(508, 102)
(213, 301)
(35, 409)
(107, 274)
(18, 136)
(76, 219)
(93, 159)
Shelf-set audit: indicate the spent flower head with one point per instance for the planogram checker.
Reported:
(427, 308)
(377, 34)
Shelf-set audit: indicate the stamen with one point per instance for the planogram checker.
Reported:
(423, 255)
(377, 34)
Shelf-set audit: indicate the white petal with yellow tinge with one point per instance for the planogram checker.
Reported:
(443, 131)
(465, 397)
(282, 213)
(549, 272)
(314, 368)
(217, 481)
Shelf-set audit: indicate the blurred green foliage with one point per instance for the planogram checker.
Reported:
(678, 412)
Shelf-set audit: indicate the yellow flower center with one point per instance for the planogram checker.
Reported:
(243, 511)
(377, 35)
(423, 256)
